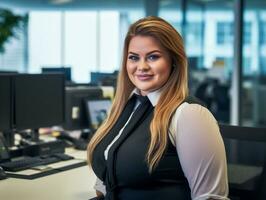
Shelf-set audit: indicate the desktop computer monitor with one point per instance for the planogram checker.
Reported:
(5, 102)
(65, 70)
(75, 110)
(97, 110)
(38, 100)
(9, 72)
(104, 79)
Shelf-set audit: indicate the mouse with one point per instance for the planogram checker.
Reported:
(2, 174)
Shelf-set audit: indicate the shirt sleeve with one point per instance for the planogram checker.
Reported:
(201, 153)
(99, 186)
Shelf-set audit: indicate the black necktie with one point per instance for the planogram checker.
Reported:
(140, 113)
(129, 108)
(142, 99)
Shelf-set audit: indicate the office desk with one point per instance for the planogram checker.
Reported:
(77, 183)
(74, 184)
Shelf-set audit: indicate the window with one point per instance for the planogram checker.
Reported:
(224, 33)
(263, 66)
(84, 40)
(177, 26)
(13, 59)
(80, 49)
(262, 30)
(228, 65)
(193, 33)
(247, 66)
(44, 40)
(247, 33)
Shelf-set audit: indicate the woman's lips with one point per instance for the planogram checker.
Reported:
(144, 77)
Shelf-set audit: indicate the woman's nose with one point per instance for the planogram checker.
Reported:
(143, 66)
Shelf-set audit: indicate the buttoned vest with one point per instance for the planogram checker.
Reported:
(125, 173)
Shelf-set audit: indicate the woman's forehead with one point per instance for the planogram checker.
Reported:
(144, 44)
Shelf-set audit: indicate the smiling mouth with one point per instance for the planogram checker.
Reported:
(144, 77)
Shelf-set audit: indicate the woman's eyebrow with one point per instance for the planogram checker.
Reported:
(154, 51)
(132, 53)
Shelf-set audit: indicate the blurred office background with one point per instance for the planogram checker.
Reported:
(225, 42)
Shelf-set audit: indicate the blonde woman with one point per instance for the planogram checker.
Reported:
(156, 144)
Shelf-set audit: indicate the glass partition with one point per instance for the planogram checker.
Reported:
(209, 40)
(254, 64)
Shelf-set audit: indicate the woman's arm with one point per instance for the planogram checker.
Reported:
(99, 188)
(201, 153)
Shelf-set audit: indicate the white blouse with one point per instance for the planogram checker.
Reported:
(200, 148)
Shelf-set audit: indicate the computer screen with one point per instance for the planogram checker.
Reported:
(75, 110)
(38, 100)
(8, 72)
(97, 110)
(65, 70)
(104, 79)
(5, 102)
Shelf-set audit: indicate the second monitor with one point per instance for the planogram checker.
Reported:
(75, 109)
(64, 70)
(97, 111)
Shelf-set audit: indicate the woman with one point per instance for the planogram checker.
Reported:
(156, 144)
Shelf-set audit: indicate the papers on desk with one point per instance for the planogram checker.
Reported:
(45, 170)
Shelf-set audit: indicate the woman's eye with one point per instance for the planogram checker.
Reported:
(153, 57)
(133, 58)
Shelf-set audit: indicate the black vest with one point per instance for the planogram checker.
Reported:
(125, 173)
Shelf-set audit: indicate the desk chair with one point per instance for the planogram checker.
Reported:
(247, 175)
(261, 192)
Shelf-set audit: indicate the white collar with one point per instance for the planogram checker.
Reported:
(152, 96)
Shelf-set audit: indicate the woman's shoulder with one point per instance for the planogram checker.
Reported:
(194, 100)
(193, 118)
(192, 111)
(190, 117)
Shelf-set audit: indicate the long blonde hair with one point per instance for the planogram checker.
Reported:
(173, 92)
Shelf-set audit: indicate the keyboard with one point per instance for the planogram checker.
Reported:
(29, 162)
(21, 164)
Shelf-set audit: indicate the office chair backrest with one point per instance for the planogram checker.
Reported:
(254, 134)
(247, 146)
(261, 191)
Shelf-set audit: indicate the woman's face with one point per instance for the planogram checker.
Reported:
(148, 64)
